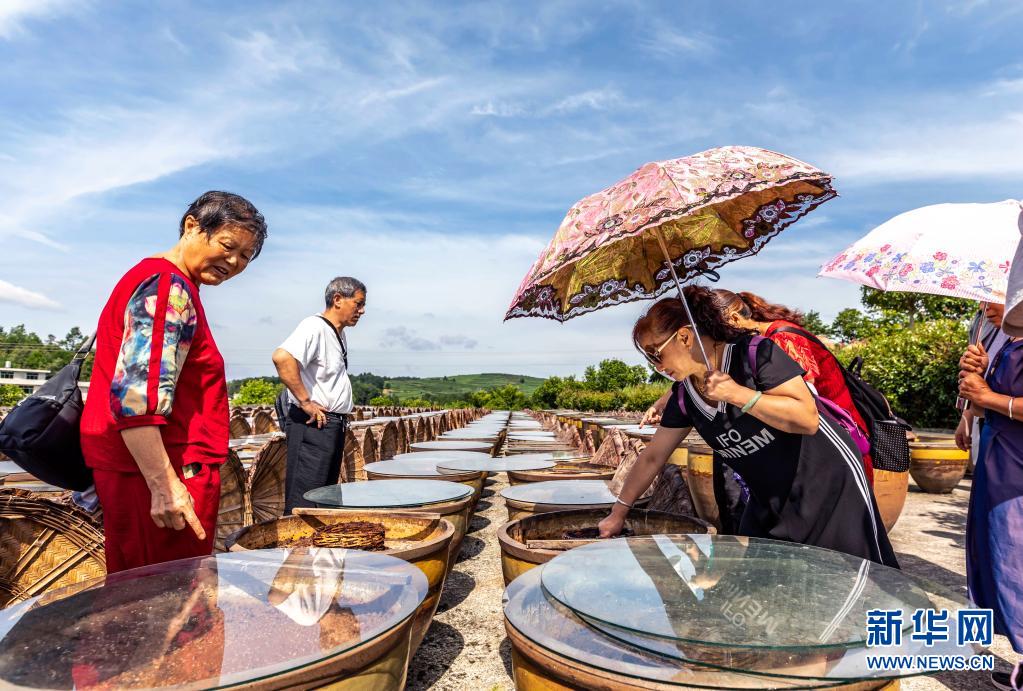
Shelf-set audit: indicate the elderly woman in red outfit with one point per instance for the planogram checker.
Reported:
(155, 425)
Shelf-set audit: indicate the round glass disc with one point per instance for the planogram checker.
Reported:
(566, 492)
(385, 494)
(210, 622)
(495, 465)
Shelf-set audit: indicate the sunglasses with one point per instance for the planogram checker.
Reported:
(654, 358)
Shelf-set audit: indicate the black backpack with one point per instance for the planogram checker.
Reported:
(889, 448)
(42, 433)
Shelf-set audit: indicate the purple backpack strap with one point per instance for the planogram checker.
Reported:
(754, 343)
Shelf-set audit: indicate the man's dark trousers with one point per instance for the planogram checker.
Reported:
(314, 456)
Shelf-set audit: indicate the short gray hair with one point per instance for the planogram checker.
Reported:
(345, 286)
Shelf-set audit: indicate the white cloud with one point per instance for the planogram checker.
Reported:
(459, 341)
(670, 43)
(400, 92)
(595, 99)
(497, 110)
(908, 149)
(25, 298)
(15, 13)
(1005, 86)
(435, 300)
(405, 338)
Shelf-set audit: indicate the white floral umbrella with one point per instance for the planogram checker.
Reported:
(956, 250)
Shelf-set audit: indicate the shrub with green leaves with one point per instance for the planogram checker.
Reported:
(257, 392)
(416, 403)
(546, 395)
(643, 396)
(10, 394)
(915, 368)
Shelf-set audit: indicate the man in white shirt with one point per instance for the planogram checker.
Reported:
(313, 365)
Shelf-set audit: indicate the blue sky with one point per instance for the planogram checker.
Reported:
(432, 149)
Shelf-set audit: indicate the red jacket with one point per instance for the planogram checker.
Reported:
(156, 364)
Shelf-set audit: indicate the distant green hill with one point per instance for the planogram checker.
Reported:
(439, 390)
(456, 384)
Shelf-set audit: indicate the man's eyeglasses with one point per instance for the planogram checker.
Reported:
(655, 357)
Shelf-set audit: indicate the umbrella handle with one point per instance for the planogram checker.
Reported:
(962, 403)
(681, 295)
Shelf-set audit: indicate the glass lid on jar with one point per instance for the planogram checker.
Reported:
(728, 591)
(549, 625)
(557, 456)
(388, 493)
(561, 492)
(208, 622)
(437, 456)
(494, 465)
(451, 445)
(471, 435)
(426, 467)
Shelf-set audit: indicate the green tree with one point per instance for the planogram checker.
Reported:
(907, 309)
(24, 348)
(507, 397)
(257, 392)
(367, 386)
(384, 401)
(613, 375)
(915, 368)
(10, 394)
(852, 325)
(546, 395)
(813, 323)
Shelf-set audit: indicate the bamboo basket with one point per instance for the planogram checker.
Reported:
(402, 427)
(352, 461)
(266, 482)
(232, 512)
(263, 423)
(387, 447)
(45, 545)
(370, 450)
(240, 427)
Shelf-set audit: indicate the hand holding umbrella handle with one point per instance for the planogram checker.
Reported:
(961, 403)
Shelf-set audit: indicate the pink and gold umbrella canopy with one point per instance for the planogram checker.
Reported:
(709, 209)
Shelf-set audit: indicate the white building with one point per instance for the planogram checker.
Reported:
(29, 380)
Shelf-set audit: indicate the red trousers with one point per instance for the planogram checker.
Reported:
(132, 539)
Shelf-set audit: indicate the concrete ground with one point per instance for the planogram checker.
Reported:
(466, 647)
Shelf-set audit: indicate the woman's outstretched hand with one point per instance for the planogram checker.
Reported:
(611, 526)
(653, 414)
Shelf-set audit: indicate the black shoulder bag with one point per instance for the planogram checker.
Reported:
(889, 448)
(42, 433)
